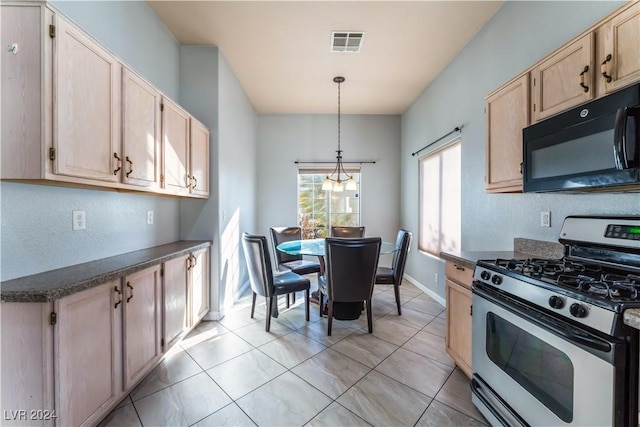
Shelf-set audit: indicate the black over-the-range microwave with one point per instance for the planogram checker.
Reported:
(595, 146)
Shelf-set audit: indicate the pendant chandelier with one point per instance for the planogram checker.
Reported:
(335, 180)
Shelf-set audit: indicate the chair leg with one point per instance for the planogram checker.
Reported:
(269, 301)
(287, 300)
(253, 304)
(320, 302)
(293, 298)
(396, 289)
(330, 316)
(306, 304)
(369, 316)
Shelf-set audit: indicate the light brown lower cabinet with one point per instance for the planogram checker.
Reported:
(459, 314)
(68, 362)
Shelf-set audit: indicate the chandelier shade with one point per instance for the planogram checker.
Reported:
(339, 179)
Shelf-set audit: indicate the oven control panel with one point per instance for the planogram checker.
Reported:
(621, 231)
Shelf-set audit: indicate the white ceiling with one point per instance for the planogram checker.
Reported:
(279, 50)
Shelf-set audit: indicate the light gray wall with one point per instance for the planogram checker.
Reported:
(518, 35)
(212, 93)
(283, 139)
(237, 174)
(36, 230)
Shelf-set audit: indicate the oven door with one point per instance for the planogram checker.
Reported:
(543, 374)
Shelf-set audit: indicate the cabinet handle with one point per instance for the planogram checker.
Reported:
(131, 293)
(457, 267)
(603, 69)
(119, 297)
(196, 182)
(195, 260)
(130, 166)
(470, 310)
(189, 265)
(115, 155)
(584, 71)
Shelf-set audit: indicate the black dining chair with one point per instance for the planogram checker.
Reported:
(294, 263)
(393, 275)
(350, 274)
(264, 282)
(350, 232)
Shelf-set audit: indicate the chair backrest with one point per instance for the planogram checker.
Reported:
(350, 232)
(403, 242)
(351, 267)
(285, 234)
(256, 255)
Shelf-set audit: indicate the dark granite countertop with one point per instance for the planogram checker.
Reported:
(51, 285)
(469, 258)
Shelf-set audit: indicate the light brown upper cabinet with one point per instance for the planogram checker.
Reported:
(73, 114)
(507, 112)
(618, 48)
(85, 134)
(199, 163)
(140, 156)
(175, 148)
(564, 79)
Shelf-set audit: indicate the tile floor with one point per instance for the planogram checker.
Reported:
(233, 373)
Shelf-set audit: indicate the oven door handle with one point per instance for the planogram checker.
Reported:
(520, 309)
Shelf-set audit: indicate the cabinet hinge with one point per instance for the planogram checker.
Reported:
(161, 271)
(53, 318)
(52, 153)
(534, 107)
(534, 81)
(161, 178)
(471, 310)
(52, 31)
(162, 342)
(161, 107)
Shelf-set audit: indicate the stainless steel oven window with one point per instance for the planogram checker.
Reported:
(544, 371)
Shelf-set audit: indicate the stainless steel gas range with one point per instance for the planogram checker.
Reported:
(549, 344)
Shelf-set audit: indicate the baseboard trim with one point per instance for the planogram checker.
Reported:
(426, 290)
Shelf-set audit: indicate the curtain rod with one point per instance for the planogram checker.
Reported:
(297, 162)
(457, 129)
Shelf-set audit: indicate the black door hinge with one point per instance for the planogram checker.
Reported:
(52, 153)
(53, 318)
(52, 31)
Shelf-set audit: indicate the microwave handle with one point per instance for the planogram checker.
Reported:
(621, 153)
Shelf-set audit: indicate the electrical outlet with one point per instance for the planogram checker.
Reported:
(436, 277)
(149, 217)
(78, 220)
(545, 219)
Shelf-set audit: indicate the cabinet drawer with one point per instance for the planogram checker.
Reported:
(458, 273)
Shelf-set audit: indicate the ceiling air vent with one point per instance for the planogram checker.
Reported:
(346, 41)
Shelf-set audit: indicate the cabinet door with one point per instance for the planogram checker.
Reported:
(619, 50)
(88, 354)
(459, 325)
(21, 82)
(86, 90)
(175, 299)
(199, 285)
(140, 132)
(142, 326)
(507, 113)
(199, 159)
(175, 148)
(564, 79)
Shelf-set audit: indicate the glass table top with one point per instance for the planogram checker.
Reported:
(316, 247)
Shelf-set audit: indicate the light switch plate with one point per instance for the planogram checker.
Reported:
(79, 220)
(149, 217)
(545, 219)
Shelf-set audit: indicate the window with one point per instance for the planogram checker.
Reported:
(318, 209)
(440, 196)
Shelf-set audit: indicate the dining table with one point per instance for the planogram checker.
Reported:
(316, 247)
